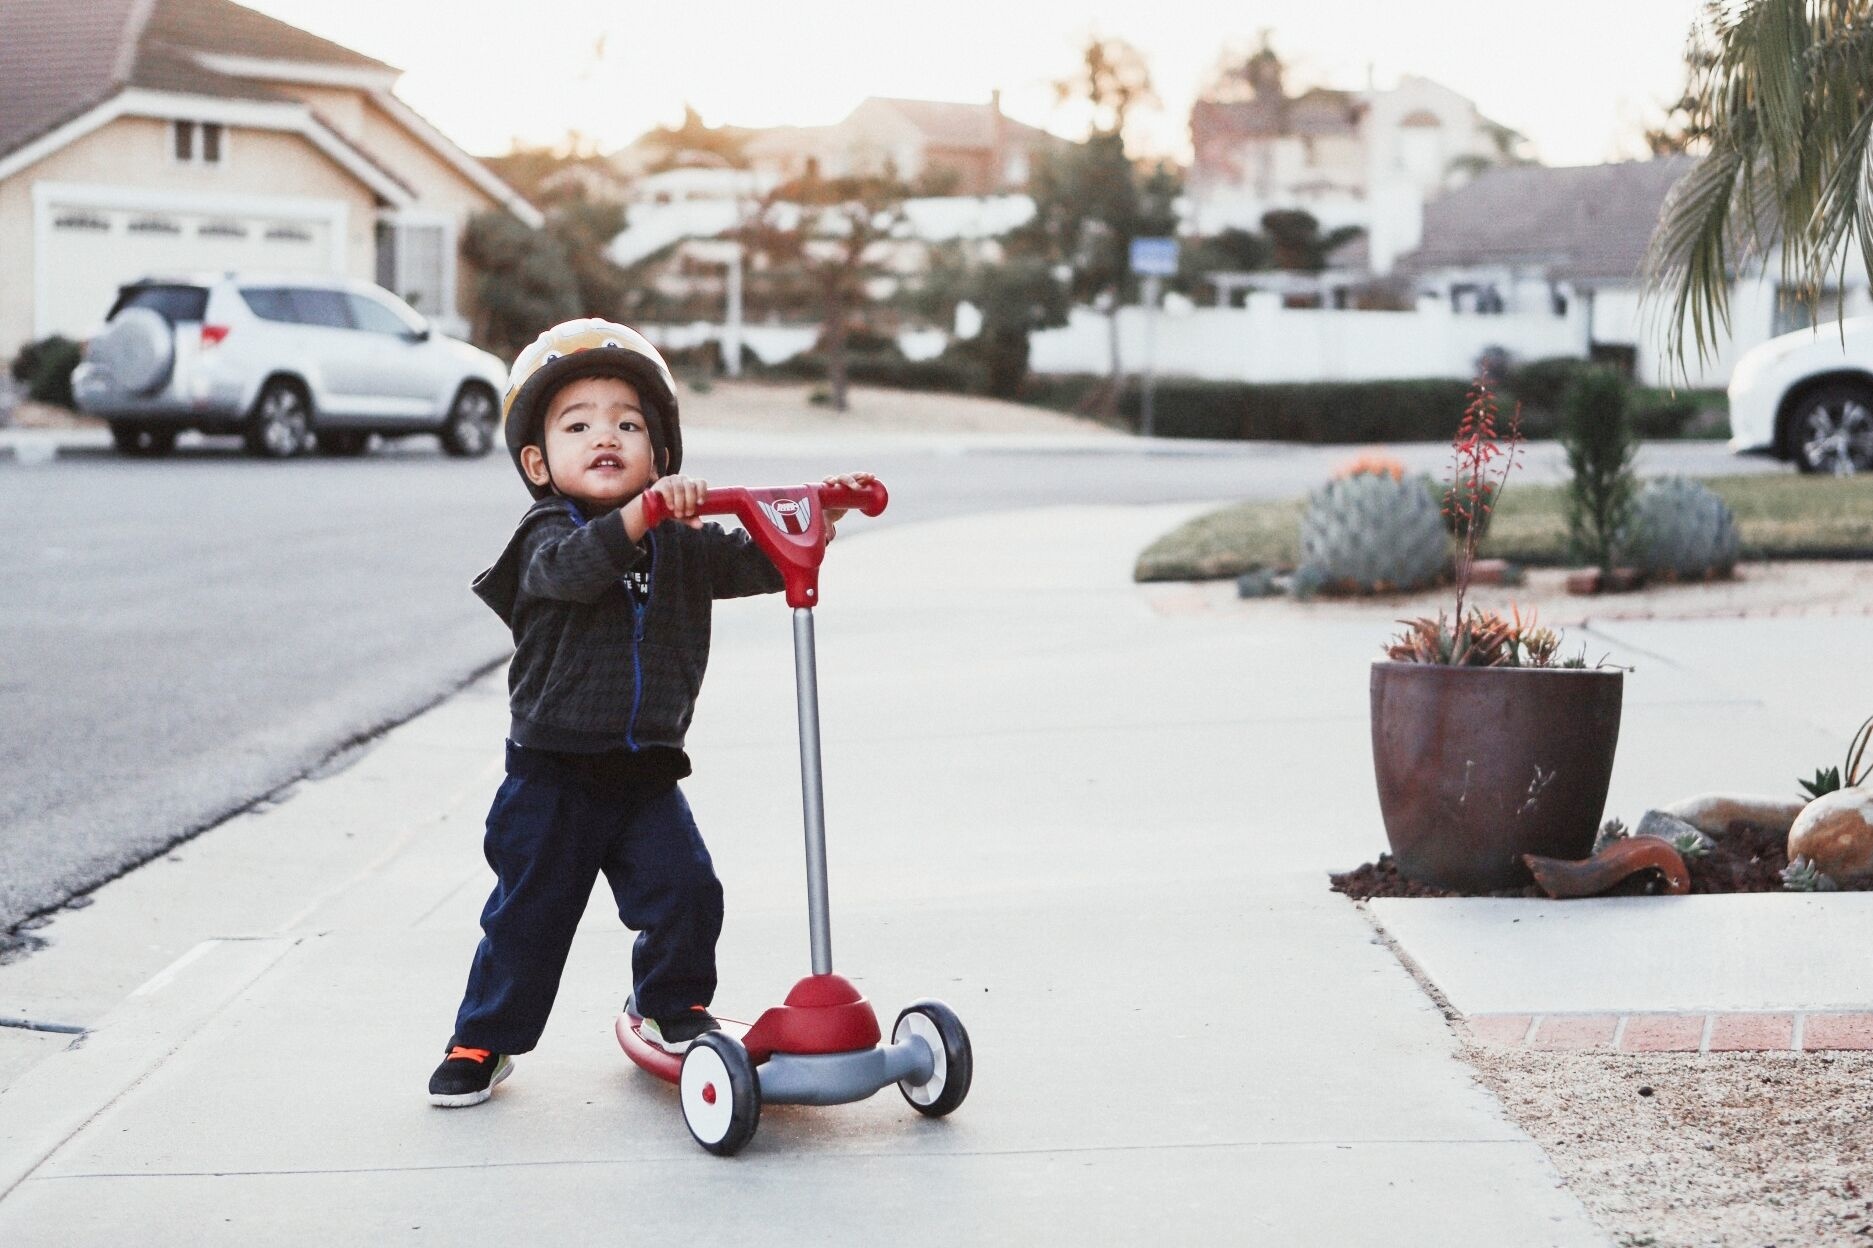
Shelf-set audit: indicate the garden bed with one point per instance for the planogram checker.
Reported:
(1779, 516)
(1746, 859)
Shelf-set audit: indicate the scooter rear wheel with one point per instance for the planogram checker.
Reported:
(721, 1093)
(937, 1026)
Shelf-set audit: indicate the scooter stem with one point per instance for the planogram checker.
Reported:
(812, 796)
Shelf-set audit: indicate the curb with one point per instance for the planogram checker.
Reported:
(54, 1100)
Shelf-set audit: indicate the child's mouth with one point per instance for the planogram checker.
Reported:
(607, 462)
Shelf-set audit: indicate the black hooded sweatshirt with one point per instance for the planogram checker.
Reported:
(611, 638)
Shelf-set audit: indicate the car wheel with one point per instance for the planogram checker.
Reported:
(343, 442)
(1830, 429)
(141, 440)
(281, 421)
(469, 431)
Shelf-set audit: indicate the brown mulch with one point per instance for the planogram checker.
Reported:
(1747, 859)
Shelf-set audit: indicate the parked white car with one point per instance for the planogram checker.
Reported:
(284, 361)
(1807, 397)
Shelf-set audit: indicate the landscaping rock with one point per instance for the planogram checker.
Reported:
(1714, 814)
(1835, 833)
(1584, 581)
(1666, 827)
(1257, 583)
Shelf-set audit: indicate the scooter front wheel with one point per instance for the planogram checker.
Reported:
(721, 1093)
(937, 1026)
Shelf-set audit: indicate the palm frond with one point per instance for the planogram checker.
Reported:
(1787, 107)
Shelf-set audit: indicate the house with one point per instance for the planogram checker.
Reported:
(144, 136)
(1365, 158)
(1567, 241)
(941, 147)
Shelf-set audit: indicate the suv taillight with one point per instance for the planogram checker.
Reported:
(213, 334)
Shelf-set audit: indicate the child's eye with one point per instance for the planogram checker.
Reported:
(629, 426)
(577, 426)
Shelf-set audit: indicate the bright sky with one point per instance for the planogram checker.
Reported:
(1580, 79)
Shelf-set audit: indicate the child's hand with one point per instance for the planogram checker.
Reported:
(851, 481)
(683, 495)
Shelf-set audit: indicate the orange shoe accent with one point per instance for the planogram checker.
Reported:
(473, 1055)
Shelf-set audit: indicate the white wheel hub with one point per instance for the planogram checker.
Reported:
(708, 1097)
(924, 1028)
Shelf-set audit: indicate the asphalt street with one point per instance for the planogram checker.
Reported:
(181, 638)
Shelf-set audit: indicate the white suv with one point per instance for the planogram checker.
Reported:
(1808, 397)
(284, 361)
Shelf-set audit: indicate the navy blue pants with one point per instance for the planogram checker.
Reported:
(549, 836)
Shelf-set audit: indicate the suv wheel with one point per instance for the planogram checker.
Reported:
(141, 440)
(282, 418)
(345, 442)
(469, 431)
(1830, 429)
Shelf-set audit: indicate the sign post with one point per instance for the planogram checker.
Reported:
(1153, 259)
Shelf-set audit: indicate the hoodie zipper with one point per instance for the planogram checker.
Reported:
(640, 612)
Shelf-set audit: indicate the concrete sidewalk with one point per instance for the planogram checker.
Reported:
(1097, 831)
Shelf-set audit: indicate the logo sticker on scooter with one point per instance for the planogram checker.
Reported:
(790, 515)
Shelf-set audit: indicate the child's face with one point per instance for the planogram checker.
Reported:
(598, 450)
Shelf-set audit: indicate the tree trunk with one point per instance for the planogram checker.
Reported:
(835, 355)
(1115, 379)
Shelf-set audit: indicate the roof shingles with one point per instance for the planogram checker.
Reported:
(1581, 223)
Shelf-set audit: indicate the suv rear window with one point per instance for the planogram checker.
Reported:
(173, 303)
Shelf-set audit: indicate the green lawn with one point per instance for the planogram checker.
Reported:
(1781, 516)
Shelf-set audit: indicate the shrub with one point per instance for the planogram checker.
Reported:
(46, 368)
(947, 373)
(1600, 442)
(1330, 412)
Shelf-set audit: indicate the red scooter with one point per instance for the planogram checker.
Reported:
(823, 1046)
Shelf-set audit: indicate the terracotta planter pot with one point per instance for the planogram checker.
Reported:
(1480, 765)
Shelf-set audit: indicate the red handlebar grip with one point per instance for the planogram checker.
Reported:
(656, 511)
(868, 499)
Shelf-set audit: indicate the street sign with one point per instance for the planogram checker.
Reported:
(1154, 257)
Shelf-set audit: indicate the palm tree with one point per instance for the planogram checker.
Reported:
(1780, 108)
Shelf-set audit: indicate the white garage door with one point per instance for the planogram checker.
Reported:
(90, 252)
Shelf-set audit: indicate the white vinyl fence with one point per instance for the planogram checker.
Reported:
(1265, 342)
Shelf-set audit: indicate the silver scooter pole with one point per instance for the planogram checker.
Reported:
(812, 796)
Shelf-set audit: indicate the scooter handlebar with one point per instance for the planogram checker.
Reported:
(868, 499)
(788, 524)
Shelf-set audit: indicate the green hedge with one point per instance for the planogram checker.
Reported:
(1369, 411)
(1363, 411)
(949, 372)
(46, 368)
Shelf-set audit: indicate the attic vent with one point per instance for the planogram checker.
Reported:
(287, 234)
(81, 221)
(154, 225)
(221, 229)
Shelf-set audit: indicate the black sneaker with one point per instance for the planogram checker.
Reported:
(674, 1035)
(467, 1076)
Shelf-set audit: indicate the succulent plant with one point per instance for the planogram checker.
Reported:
(1802, 876)
(1370, 533)
(1691, 844)
(1610, 831)
(1826, 780)
(1681, 528)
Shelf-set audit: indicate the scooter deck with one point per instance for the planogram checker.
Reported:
(666, 1066)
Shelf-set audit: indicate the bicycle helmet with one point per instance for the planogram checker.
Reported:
(589, 348)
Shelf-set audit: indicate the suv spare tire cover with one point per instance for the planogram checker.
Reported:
(137, 349)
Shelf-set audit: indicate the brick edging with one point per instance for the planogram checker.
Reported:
(1786, 1031)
